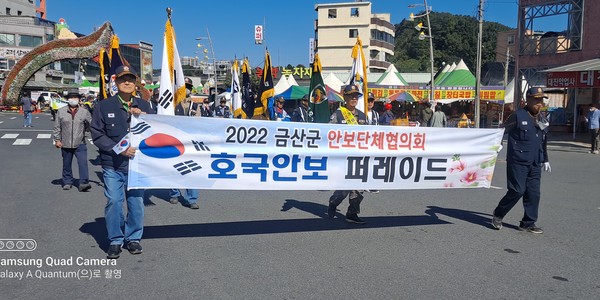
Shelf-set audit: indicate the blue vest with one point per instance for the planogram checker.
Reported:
(526, 140)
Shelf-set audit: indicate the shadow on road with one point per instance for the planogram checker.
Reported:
(477, 218)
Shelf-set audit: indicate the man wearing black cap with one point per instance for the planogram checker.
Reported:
(110, 124)
(300, 114)
(373, 117)
(70, 125)
(526, 156)
(223, 111)
(352, 116)
(278, 113)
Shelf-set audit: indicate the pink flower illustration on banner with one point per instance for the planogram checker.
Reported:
(469, 177)
(448, 184)
(458, 166)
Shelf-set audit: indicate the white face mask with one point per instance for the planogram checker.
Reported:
(73, 102)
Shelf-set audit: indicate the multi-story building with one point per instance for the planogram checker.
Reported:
(339, 24)
(23, 27)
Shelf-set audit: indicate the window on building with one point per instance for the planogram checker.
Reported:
(352, 33)
(30, 41)
(19, 12)
(49, 37)
(3, 64)
(8, 11)
(354, 12)
(511, 39)
(332, 13)
(7, 39)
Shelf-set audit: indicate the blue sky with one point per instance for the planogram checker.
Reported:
(288, 23)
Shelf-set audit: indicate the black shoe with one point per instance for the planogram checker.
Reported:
(531, 229)
(192, 205)
(497, 223)
(84, 187)
(66, 187)
(134, 248)
(331, 210)
(353, 218)
(173, 200)
(114, 251)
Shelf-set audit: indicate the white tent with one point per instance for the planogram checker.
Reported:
(291, 81)
(282, 85)
(509, 91)
(333, 82)
(391, 77)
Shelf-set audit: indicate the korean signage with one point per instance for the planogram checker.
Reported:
(238, 154)
(258, 34)
(579, 79)
(441, 93)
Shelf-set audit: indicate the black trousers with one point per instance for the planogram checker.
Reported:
(523, 181)
(355, 199)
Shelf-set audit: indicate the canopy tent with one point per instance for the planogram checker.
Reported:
(86, 84)
(282, 85)
(391, 77)
(509, 91)
(292, 81)
(293, 93)
(333, 95)
(404, 96)
(460, 76)
(443, 73)
(333, 82)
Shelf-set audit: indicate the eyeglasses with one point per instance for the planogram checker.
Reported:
(126, 78)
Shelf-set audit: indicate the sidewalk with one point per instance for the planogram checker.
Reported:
(564, 141)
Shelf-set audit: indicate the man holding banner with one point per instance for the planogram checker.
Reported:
(352, 116)
(110, 128)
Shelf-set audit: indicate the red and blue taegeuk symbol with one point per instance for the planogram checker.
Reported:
(124, 143)
(162, 145)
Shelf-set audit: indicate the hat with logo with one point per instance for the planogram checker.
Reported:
(371, 97)
(124, 70)
(351, 89)
(280, 99)
(73, 93)
(305, 97)
(536, 92)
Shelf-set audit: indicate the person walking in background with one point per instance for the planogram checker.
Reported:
(525, 157)
(425, 114)
(438, 119)
(352, 116)
(27, 106)
(110, 124)
(70, 126)
(594, 126)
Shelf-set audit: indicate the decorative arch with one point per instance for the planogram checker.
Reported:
(84, 47)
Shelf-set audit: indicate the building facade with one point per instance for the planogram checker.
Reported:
(339, 24)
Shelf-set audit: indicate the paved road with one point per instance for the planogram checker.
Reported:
(425, 244)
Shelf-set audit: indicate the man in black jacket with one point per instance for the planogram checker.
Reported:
(110, 124)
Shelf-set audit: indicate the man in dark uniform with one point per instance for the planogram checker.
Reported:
(110, 123)
(526, 156)
(352, 116)
(300, 114)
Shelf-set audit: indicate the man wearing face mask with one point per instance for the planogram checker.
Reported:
(526, 156)
(70, 125)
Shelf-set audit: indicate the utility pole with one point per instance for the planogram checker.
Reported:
(478, 71)
(505, 83)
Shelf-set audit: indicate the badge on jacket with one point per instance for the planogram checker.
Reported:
(111, 115)
(524, 123)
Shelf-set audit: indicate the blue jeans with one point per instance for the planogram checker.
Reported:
(26, 118)
(190, 196)
(115, 190)
(67, 172)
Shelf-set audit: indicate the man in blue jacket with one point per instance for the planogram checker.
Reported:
(110, 123)
(526, 156)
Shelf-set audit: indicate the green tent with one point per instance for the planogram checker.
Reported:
(87, 84)
(460, 76)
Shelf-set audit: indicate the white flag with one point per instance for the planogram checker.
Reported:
(358, 75)
(172, 85)
(236, 95)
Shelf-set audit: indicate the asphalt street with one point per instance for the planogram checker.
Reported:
(417, 244)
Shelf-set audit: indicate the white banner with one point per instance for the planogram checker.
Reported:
(241, 154)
